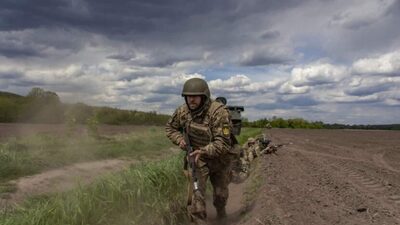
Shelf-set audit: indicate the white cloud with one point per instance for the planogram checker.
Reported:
(317, 74)
(242, 84)
(234, 81)
(305, 78)
(387, 64)
(288, 88)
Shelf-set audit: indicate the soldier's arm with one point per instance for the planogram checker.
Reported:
(172, 128)
(221, 129)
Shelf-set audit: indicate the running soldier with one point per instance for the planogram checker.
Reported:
(208, 126)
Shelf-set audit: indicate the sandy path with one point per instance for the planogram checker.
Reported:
(62, 179)
(234, 206)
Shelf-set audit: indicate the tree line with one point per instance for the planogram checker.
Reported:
(278, 122)
(41, 106)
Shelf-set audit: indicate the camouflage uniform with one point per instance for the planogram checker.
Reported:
(239, 165)
(249, 150)
(244, 156)
(209, 131)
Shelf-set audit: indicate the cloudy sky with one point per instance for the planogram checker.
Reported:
(337, 61)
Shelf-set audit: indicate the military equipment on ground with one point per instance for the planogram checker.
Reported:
(235, 112)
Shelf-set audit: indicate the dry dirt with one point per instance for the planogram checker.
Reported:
(330, 177)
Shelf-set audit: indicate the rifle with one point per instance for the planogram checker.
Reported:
(190, 162)
(272, 149)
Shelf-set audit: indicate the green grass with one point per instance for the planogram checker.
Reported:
(36, 153)
(149, 193)
(247, 132)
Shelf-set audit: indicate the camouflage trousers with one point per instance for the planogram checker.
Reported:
(218, 171)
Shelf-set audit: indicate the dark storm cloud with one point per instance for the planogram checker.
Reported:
(133, 20)
(18, 79)
(158, 59)
(25, 14)
(10, 75)
(270, 34)
(369, 89)
(18, 52)
(122, 57)
(166, 32)
(261, 59)
(290, 102)
(299, 100)
(27, 83)
(156, 98)
(41, 42)
(271, 106)
(376, 10)
(173, 90)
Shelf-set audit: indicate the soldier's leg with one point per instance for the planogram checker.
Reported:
(244, 165)
(250, 156)
(220, 180)
(197, 208)
(257, 151)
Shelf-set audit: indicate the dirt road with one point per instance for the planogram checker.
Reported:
(330, 177)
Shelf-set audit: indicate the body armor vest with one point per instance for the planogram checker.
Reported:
(199, 129)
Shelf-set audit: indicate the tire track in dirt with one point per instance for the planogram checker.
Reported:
(371, 186)
(379, 159)
(368, 185)
(308, 184)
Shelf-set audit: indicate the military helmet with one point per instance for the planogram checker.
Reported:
(196, 86)
(251, 140)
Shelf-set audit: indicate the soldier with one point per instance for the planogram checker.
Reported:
(250, 149)
(240, 165)
(208, 126)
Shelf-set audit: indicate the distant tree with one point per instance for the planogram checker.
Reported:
(9, 110)
(42, 106)
(44, 96)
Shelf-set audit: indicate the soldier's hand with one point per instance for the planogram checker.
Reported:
(196, 154)
(182, 144)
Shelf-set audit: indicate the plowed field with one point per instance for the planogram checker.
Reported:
(330, 177)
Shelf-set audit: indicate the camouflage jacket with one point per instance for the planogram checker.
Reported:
(214, 119)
